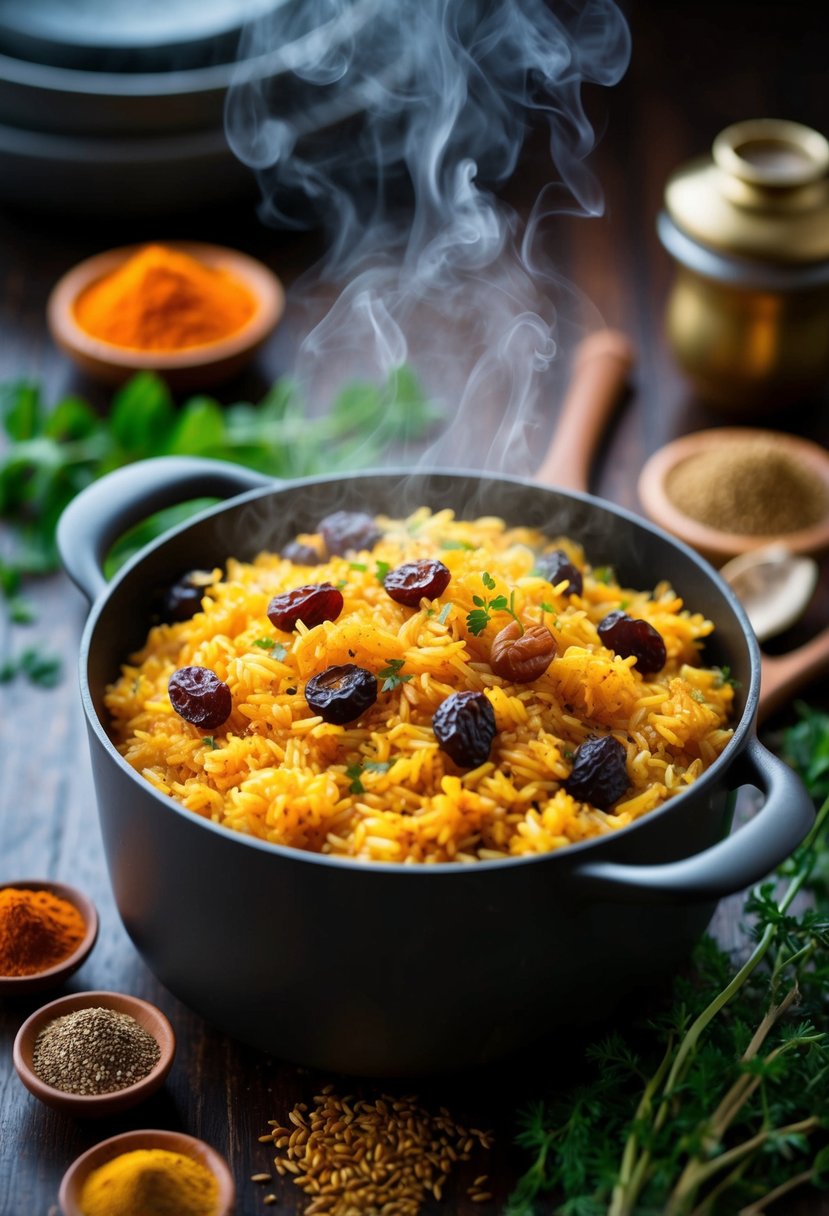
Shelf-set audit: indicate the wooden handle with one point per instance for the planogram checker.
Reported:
(601, 367)
(781, 676)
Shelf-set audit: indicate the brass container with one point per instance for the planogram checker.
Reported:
(748, 228)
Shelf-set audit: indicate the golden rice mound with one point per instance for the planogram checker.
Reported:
(380, 788)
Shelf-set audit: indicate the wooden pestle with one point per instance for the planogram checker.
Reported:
(601, 366)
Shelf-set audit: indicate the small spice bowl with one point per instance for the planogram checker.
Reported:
(71, 1187)
(719, 545)
(53, 977)
(190, 367)
(146, 1015)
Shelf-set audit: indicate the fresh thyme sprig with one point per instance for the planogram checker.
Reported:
(721, 1105)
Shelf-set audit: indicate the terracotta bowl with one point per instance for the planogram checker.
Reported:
(174, 1142)
(53, 977)
(716, 545)
(95, 1105)
(195, 367)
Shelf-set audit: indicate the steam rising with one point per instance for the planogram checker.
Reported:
(392, 124)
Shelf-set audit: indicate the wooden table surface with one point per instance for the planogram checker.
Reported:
(696, 67)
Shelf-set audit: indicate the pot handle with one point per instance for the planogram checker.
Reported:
(104, 510)
(737, 862)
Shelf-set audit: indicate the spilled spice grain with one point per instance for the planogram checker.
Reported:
(355, 1157)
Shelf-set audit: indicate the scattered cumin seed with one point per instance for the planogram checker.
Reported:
(388, 1156)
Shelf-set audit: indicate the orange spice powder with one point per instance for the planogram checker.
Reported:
(163, 299)
(38, 930)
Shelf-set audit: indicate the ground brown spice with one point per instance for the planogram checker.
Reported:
(389, 1155)
(94, 1051)
(751, 487)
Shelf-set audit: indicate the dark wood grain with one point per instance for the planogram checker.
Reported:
(696, 67)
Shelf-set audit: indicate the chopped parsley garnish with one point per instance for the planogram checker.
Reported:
(355, 772)
(276, 648)
(604, 574)
(724, 676)
(456, 544)
(381, 571)
(480, 616)
(209, 741)
(358, 566)
(390, 675)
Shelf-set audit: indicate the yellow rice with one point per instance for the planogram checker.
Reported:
(380, 788)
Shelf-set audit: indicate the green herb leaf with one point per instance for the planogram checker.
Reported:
(390, 675)
(142, 416)
(477, 621)
(38, 666)
(355, 772)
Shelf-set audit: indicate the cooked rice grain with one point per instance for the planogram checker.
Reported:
(380, 788)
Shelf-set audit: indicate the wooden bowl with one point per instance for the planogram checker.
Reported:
(175, 1142)
(95, 1105)
(720, 545)
(53, 977)
(193, 367)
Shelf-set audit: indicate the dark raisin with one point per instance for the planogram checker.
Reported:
(556, 567)
(301, 555)
(627, 636)
(182, 600)
(340, 694)
(410, 583)
(599, 774)
(200, 697)
(464, 726)
(348, 531)
(311, 604)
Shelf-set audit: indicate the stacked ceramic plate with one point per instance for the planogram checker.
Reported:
(109, 106)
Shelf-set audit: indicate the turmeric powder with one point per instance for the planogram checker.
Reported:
(163, 299)
(150, 1182)
(38, 930)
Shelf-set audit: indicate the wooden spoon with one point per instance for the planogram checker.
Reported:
(782, 675)
(601, 366)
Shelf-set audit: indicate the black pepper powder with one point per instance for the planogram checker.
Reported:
(751, 487)
(94, 1051)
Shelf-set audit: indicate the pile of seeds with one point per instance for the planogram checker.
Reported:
(375, 1158)
(94, 1051)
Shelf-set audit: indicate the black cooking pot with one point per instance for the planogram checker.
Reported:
(383, 969)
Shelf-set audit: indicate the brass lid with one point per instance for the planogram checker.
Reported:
(763, 194)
